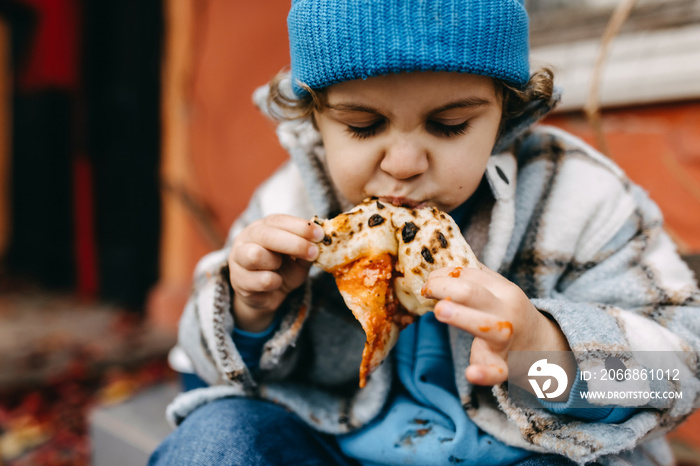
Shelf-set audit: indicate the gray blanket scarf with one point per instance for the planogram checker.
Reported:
(560, 220)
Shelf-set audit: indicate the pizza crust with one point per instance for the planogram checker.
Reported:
(381, 255)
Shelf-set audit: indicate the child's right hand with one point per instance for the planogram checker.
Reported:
(268, 259)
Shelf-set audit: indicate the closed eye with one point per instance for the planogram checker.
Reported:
(443, 130)
(364, 132)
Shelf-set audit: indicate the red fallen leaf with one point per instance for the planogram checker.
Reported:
(61, 408)
(24, 434)
(117, 391)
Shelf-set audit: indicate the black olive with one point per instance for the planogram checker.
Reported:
(442, 239)
(409, 232)
(375, 220)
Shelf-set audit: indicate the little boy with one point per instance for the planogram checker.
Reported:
(431, 104)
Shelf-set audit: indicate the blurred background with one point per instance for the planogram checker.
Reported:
(129, 143)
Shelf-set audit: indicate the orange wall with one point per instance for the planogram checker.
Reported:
(216, 144)
(241, 45)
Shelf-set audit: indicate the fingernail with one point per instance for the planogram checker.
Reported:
(318, 234)
(444, 310)
(313, 252)
(424, 291)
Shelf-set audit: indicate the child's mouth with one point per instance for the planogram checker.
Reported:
(403, 202)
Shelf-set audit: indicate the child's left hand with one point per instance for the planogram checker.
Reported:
(499, 315)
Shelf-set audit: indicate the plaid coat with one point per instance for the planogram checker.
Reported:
(558, 219)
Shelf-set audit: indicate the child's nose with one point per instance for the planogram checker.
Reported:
(405, 159)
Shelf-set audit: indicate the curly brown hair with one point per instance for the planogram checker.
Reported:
(284, 105)
(540, 86)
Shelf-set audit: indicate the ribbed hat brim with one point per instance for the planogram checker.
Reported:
(339, 40)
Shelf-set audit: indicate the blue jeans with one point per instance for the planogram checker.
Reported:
(242, 431)
(246, 432)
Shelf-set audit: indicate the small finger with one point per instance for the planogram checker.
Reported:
(284, 242)
(261, 302)
(493, 329)
(298, 226)
(481, 274)
(252, 256)
(491, 374)
(465, 292)
(249, 282)
(293, 273)
(486, 367)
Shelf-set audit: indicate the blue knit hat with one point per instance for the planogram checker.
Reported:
(340, 40)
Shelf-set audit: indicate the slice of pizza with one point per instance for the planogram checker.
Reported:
(380, 256)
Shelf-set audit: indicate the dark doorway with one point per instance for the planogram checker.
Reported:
(123, 42)
(85, 149)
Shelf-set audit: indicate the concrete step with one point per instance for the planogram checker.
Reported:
(127, 433)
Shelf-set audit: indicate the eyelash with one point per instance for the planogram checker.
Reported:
(364, 132)
(439, 129)
(448, 130)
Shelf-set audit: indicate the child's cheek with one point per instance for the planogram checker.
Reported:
(348, 175)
